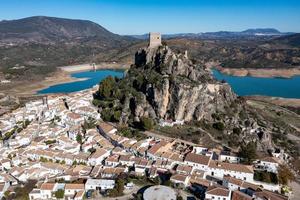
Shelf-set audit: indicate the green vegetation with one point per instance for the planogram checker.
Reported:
(106, 87)
(119, 188)
(248, 153)
(48, 142)
(59, 194)
(21, 193)
(90, 123)
(131, 133)
(79, 138)
(219, 126)
(147, 123)
(267, 177)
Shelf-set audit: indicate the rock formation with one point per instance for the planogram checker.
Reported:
(171, 87)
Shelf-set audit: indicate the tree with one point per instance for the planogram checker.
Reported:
(248, 152)
(106, 87)
(79, 138)
(92, 150)
(237, 130)
(116, 115)
(179, 198)
(219, 126)
(120, 185)
(60, 193)
(285, 175)
(119, 188)
(147, 123)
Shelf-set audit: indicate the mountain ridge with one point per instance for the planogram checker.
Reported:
(43, 29)
(223, 34)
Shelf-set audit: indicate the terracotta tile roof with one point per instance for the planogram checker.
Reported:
(218, 191)
(238, 195)
(106, 127)
(154, 149)
(241, 183)
(178, 177)
(74, 186)
(99, 152)
(270, 195)
(184, 169)
(113, 158)
(74, 115)
(196, 158)
(47, 186)
(79, 194)
(200, 181)
(231, 167)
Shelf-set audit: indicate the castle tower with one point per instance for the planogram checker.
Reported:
(154, 40)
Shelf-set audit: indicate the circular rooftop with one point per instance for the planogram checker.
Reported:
(159, 192)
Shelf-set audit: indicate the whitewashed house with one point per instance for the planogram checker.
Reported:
(269, 164)
(200, 162)
(226, 156)
(97, 157)
(99, 184)
(220, 169)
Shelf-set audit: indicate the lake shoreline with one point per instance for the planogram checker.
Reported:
(260, 73)
(32, 88)
(89, 67)
(60, 76)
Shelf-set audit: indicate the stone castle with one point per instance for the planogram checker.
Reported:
(154, 40)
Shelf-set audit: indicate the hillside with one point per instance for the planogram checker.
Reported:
(33, 47)
(43, 30)
(164, 85)
(278, 53)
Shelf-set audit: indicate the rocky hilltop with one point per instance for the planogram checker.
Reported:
(166, 85)
(183, 91)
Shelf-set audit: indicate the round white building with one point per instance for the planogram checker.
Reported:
(159, 192)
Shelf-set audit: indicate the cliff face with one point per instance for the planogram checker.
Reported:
(170, 86)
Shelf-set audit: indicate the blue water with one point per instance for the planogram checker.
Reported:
(276, 87)
(93, 78)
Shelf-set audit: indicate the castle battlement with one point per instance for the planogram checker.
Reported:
(154, 40)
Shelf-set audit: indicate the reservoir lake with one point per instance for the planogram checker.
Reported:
(277, 87)
(92, 79)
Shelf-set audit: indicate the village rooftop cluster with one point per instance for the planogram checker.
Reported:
(50, 142)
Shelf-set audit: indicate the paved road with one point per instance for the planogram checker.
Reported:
(128, 194)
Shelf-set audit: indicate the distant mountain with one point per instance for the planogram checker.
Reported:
(267, 32)
(262, 31)
(40, 44)
(40, 29)
(291, 40)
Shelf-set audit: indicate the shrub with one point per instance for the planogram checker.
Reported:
(219, 126)
(147, 123)
(248, 152)
(237, 130)
(285, 175)
(106, 87)
(59, 194)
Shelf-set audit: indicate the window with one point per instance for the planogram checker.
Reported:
(244, 178)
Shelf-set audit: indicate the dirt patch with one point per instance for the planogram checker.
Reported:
(267, 73)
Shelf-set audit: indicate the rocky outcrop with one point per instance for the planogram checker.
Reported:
(172, 87)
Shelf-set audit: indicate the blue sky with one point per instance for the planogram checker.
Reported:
(166, 16)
